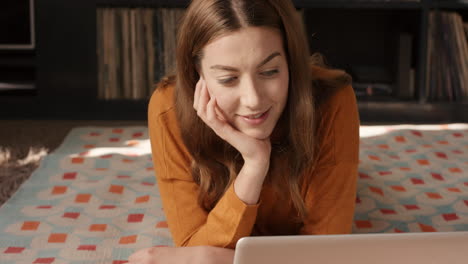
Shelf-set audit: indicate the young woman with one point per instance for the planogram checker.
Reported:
(251, 136)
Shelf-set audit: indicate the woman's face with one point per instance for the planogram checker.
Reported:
(247, 72)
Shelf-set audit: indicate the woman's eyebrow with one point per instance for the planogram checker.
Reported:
(228, 68)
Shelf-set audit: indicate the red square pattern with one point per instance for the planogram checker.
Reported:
(72, 215)
(69, 176)
(450, 217)
(437, 176)
(104, 207)
(87, 247)
(134, 218)
(13, 250)
(363, 224)
(44, 260)
(412, 207)
(417, 181)
(138, 134)
(383, 173)
(387, 211)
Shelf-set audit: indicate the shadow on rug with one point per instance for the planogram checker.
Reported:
(14, 171)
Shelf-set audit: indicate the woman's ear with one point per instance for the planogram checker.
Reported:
(200, 73)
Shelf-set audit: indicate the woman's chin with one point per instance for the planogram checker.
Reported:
(258, 134)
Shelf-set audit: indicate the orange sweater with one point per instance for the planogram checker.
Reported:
(329, 198)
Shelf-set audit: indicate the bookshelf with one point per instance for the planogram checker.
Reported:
(354, 33)
(17, 47)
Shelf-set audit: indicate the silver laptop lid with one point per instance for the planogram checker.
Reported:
(414, 248)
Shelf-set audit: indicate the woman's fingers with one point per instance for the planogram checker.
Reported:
(137, 257)
(202, 101)
(219, 124)
(209, 112)
(143, 256)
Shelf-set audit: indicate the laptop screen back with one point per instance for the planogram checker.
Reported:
(414, 248)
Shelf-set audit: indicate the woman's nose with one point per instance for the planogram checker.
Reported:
(250, 97)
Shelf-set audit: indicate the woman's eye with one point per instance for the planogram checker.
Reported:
(270, 73)
(226, 81)
(230, 80)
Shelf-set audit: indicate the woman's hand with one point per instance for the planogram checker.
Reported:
(183, 255)
(255, 152)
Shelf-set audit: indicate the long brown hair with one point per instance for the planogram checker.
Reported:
(215, 163)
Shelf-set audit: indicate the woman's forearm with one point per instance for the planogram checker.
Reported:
(183, 255)
(249, 182)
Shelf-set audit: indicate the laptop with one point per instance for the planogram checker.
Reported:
(394, 248)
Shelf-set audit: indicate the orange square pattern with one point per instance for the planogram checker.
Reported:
(376, 190)
(400, 139)
(98, 227)
(132, 143)
(142, 199)
(454, 189)
(57, 238)
(423, 162)
(77, 160)
(427, 228)
(128, 239)
(455, 170)
(116, 189)
(162, 224)
(30, 225)
(82, 198)
(434, 195)
(59, 190)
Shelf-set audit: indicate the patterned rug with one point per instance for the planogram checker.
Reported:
(413, 179)
(94, 199)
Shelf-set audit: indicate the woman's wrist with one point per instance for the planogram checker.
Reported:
(249, 182)
(256, 168)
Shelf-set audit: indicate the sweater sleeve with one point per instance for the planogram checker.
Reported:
(191, 225)
(331, 192)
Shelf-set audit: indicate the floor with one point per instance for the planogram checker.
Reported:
(19, 136)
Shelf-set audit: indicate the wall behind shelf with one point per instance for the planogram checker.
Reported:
(350, 37)
(66, 49)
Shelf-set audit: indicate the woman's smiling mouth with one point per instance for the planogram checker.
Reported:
(256, 119)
